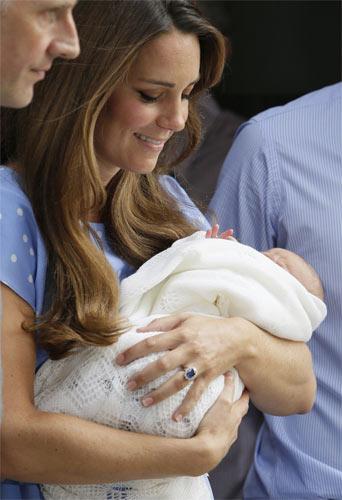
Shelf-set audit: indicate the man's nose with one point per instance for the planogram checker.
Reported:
(66, 42)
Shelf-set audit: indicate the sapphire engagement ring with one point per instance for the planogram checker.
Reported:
(190, 373)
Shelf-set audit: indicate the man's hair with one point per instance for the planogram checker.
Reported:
(3, 5)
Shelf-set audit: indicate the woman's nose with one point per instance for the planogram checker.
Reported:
(174, 116)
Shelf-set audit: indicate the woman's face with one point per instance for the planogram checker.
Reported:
(143, 113)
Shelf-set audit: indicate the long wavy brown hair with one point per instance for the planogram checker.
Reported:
(53, 143)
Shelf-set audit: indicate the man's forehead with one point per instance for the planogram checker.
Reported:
(52, 3)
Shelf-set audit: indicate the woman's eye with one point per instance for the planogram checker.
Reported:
(146, 97)
(186, 96)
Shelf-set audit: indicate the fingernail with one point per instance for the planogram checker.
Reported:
(120, 359)
(147, 401)
(229, 376)
(131, 385)
(178, 417)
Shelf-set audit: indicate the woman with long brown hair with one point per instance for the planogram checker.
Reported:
(84, 202)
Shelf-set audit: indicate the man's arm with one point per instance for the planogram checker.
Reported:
(278, 373)
(249, 198)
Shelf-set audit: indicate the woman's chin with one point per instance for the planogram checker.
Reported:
(145, 168)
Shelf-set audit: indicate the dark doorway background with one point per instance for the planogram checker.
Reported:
(281, 49)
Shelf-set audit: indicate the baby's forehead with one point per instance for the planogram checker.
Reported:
(286, 254)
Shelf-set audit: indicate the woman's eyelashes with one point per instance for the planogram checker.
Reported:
(150, 99)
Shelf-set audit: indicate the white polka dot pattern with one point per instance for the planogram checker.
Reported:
(19, 268)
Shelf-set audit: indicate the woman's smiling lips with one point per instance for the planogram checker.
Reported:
(155, 144)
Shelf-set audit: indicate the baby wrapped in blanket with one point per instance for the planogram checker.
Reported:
(209, 276)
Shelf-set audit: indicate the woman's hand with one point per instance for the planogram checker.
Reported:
(209, 344)
(278, 373)
(219, 427)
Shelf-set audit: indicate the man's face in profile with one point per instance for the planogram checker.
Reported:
(33, 34)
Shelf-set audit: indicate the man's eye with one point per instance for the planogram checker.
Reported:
(146, 97)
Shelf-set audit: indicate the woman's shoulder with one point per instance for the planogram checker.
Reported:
(174, 188)
(23, 255)
(11, 189)
(186, 205)
(15, 207)
(10, 178)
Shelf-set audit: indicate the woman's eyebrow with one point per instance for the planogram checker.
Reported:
(165, 84)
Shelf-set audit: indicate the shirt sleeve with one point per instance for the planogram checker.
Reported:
(248, 194)
(186, 205)
(23, 256)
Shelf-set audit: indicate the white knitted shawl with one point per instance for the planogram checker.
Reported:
(207, 276)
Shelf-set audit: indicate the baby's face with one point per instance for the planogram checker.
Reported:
(299, 268)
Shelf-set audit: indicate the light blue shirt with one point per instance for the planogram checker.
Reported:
(281, 185)
(23, 265)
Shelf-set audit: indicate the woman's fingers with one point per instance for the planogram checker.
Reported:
(165, 324)
(169, 388)
(219, 427)
(163, 342)
(220, 410)
(237, 412)
(187, 345)
(240, 407)
(158, 368)
(193, 395)
(224, 413)
(155, 343)
(227, 393)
